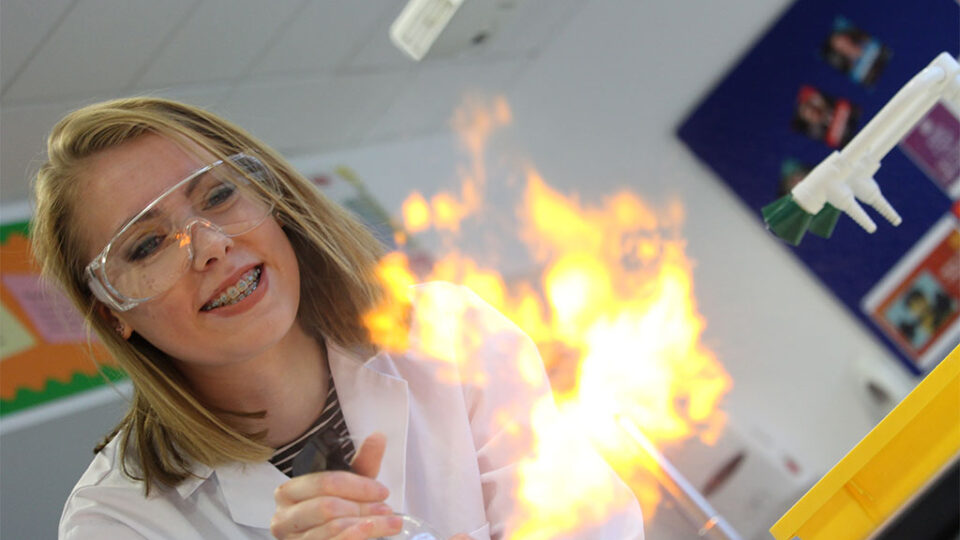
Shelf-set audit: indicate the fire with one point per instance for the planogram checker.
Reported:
(613, 315)
(446, 211)
(416, 213)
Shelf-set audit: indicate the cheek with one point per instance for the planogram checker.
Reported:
(162, 322)
(286, 257)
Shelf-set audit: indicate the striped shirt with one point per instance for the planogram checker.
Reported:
(330, 420)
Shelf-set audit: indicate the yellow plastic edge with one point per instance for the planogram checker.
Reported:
(835, 502)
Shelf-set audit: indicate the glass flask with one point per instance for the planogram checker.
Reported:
(324, 452)
(414, 529)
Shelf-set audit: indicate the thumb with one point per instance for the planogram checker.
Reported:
(368, 458)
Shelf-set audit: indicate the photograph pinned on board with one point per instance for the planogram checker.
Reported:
(824, 118)
(855, 52)
(917, 303)
(792, 171)
(921, 311)
(934, 147)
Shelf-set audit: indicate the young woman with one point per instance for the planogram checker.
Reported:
(232, 294)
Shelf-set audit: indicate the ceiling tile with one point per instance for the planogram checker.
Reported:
(100, 47)
(530, 24)
(356, 101)
(521, 30)
(219, 42)
(23, 142)
(24, 24)
(308, 115)
(25, 129)
(322, 37)
(205, 96)
(428, 103)
(267, 110)
(378, 52)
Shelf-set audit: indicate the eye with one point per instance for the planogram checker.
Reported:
(145, 247)
(219, 196)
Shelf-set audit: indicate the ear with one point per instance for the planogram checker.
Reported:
(113, 319)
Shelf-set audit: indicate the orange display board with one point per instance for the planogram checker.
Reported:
(45, 354)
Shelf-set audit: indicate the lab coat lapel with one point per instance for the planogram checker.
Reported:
(372, 401)
(248, 491)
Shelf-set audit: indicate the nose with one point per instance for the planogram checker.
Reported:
(208, 243)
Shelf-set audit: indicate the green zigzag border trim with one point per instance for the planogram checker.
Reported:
(26, 398)
(22, 228)
(54, 389)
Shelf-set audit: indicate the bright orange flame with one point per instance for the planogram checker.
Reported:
(416, 213)
(448, 212)
(475, 121)
(382, 323)
(616, 322)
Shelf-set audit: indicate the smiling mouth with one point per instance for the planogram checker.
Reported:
(236, 292)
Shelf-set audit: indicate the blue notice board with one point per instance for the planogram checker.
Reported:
(821, 71)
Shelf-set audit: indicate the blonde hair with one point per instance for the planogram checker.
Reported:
(166, 425)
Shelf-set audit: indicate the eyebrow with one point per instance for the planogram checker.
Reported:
(192, 184)
(149, 214)
(152, 213)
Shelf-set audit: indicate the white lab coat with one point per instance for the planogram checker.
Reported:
(448, 458)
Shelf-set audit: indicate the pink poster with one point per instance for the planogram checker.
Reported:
(49, 310)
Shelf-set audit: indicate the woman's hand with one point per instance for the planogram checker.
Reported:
(338, 505)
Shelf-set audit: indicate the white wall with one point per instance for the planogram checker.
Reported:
(596, 112)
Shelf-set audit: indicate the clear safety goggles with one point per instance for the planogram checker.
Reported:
(154, 249)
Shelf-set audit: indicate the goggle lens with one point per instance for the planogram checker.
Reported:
(154, 250)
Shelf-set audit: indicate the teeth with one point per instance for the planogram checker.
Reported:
(237, 292)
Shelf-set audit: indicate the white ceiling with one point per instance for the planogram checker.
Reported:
(306, 76)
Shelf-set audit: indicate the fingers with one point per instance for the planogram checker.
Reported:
(368, 458)
(313, 512)
(327, 517)
(365, 528)
(339, 505)
(341, 484)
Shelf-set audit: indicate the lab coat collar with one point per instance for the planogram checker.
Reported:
(199, 473)
(371, 399)
(247, 489)
(374, 398)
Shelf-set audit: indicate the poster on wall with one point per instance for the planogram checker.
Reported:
(917, 303)
(804, 89)
(344, 186)
(45, 354)
(934, 146)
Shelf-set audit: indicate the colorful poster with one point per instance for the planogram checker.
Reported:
(821, 72)
(917, 304)
(45, 355)
(15, 337)
(49, 310)
(346, 188)
(934, 145)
